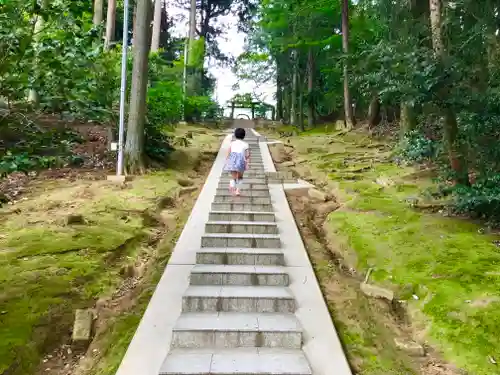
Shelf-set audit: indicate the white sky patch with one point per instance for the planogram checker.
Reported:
(232, 43)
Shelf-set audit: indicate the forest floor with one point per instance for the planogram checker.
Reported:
(72, 240)
(442, 269)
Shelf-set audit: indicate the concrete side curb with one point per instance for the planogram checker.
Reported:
(322, 345)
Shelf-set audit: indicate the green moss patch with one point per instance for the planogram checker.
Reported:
(445, 267)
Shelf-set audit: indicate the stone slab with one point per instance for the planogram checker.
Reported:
(242, 361)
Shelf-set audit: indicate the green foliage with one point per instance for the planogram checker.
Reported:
(482, 199)
(200, 107)
(164, 103)
(24, 146)
(416, 147)
(62, 61)
(197, 53)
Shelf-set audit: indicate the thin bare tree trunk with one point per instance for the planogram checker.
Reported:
(293, 98)
(98, 12)
(33, 96)
(192, 20)
(279, 91)
(286, 104)
(110, 24)
(311, 118)
(134, 145)
(155, 38)
(301, 105)
(349, 115)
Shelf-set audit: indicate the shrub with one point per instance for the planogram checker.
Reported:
(164, 103)
(482, 199)
(24, 146)
(415, 147)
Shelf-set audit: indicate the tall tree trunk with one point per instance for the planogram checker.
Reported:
(110, 24)
(407, 119)
(134, 146)
(301, 107)
(109, 38)
(134, 22)
(279, 95)
(311, 118)
(192, 83)
(293, 97)
(450, 128)
(33, 97)
(374, 111)
(286, 104)
(349, 115)
(155, 38)
(192, 20)
(98, 12)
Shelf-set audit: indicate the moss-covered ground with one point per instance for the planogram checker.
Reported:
(90, 244)
(444, 269)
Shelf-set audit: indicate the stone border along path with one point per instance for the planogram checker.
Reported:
(239, 295)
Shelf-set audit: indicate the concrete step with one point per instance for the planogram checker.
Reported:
(242, 275)
(253, 174)
(241, 199)
(238, 299)
(248, 227)
(239, 207)
(266, 241)
(259, 257)
(257, 173)
(255, 167)
(245, 192)
(246, 186)
(268, 217)
(236, 330)
(237, 361)
(246, 180)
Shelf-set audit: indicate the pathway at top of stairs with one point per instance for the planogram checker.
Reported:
(239, 295)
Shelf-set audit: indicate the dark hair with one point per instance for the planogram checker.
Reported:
(239, 133)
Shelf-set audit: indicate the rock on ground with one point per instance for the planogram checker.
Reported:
(315, 194)
(82, 328)
(377, 291)
(410, 347)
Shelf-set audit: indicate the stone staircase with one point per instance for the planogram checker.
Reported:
(238, 295)
(238, 312)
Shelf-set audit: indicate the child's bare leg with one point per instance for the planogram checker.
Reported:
(238, 182)
(232, 183)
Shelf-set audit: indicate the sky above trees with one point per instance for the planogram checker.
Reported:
(233, 45)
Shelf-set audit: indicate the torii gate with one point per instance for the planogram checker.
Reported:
(239, 104)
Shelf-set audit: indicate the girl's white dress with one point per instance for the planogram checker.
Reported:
(236, 161)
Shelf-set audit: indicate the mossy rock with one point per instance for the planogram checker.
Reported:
(184, 159)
